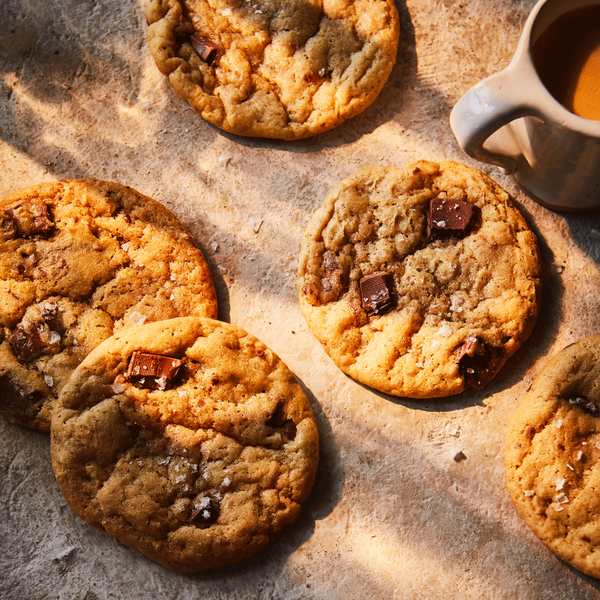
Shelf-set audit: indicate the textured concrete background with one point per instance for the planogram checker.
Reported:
(392, 516)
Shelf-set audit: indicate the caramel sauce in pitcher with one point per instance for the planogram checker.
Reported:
(567, 58)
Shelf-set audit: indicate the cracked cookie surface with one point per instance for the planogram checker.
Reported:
(80, 259)
(553, 455)
(286, 70)
(200, 468)
(449, 305)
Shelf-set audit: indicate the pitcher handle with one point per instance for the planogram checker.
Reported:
(491, 104)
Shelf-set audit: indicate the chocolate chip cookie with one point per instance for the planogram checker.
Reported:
(420, 281)
(553, 456)
(80, 259)
(285, 70)
(188, 440)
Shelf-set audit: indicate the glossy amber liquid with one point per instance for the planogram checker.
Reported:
(567, 58)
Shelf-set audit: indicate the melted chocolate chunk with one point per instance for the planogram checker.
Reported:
(27, 341)
(9, 227)
(16, 400)
(277, 417)
(208, 51)
(448, 216)
(290, 429)
(481, 367)
(152, 371)
(375, 293)
(27, 220)
(583, 403)
(205, 511)
(277, 420)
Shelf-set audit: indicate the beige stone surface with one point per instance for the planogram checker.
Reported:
(393, 515)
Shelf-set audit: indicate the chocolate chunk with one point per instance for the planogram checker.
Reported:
(49, 311)
(330, 263)
(152, 371)
(27, 341)
(447, 216)
(375, 293)
(207, 50)
(28, 220)
(584, 403)
(205, 511)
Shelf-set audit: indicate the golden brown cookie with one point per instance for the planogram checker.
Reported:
(80, 259)
(553, 456)
(286, 70)
(188, 440)
(420, 281)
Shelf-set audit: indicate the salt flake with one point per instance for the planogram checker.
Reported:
(445, 330)
(529, 493)
(256, 223)
(457, 303)
(136, 318)
(49, 381)
(557, 423)
(203, 503)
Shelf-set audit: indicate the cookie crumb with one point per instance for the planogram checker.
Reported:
(459, 455)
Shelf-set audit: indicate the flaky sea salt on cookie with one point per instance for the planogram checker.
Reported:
(553, 456)
(285, 70)
(421, 281)
(188, 440)
(80, 259)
